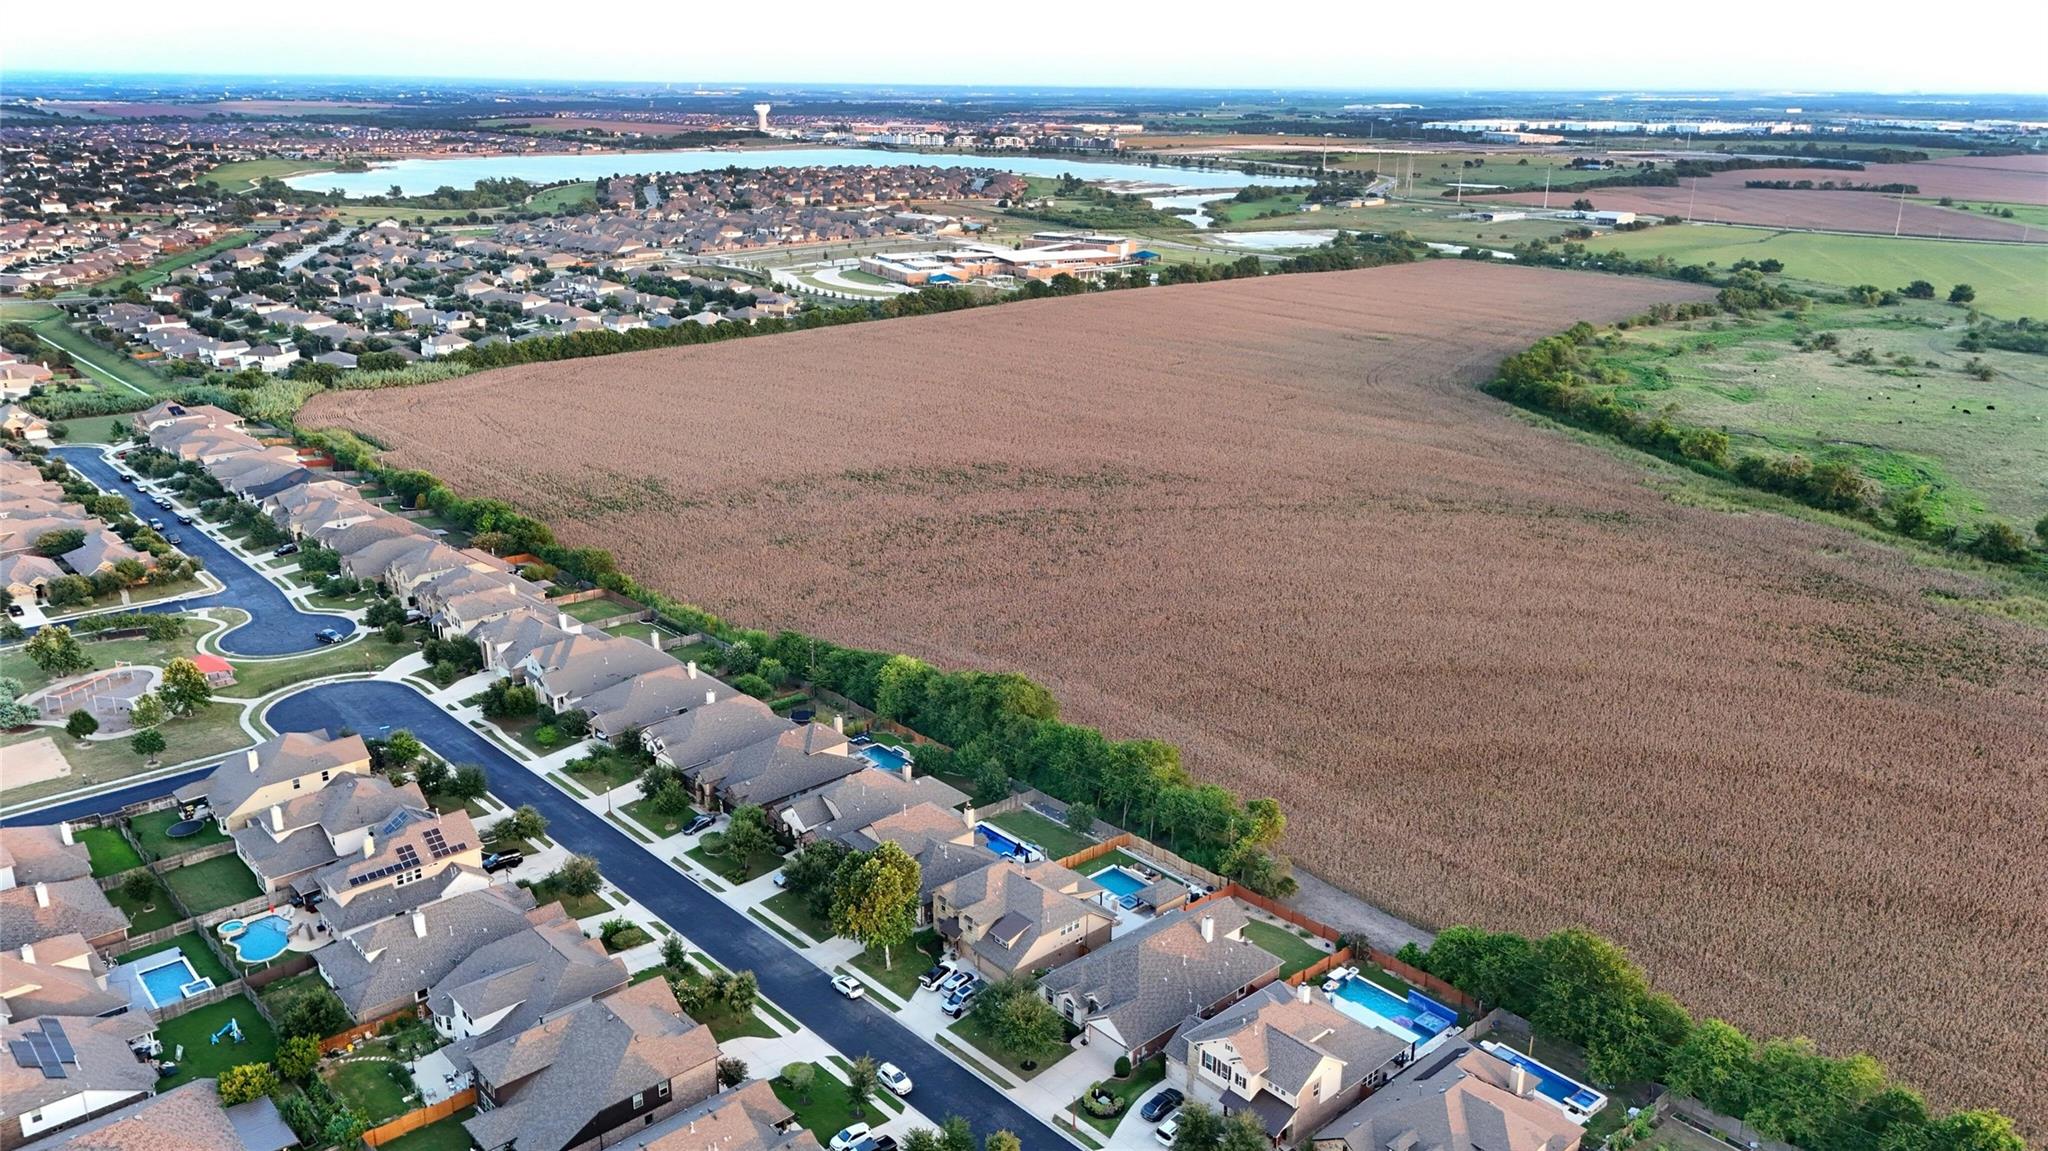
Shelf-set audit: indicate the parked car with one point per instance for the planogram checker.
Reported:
(1167, 1130)
(498, 861)
(285, 549)
(174, 539)
(779, 879)
(930, 980)
(183, 519)
(16, 609)
(703, 821)
(1161, 1105)
(327, 635)
(876, 1143)
(848, 986)
(157, 524)
(956, 981)
(962, 999)
(163, 501)
(893, 1077)
(849, 1137)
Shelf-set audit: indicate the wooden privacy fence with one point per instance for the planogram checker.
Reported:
(228, 990)
(1320, 967)
(341, 1039)
(1092, 853)
(414, 1120)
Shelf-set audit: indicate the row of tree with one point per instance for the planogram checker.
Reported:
(1579, 988)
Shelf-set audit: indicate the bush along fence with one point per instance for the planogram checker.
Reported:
(1577, 988)
(987, 727)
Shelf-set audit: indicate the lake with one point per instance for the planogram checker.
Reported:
(418, 177)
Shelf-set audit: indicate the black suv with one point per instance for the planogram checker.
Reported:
(1161, 1105)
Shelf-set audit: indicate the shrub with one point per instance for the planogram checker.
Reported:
(246, 1082)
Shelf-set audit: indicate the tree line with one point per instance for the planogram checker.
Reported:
(1579, 988)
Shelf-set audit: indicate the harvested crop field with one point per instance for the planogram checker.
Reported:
(1719, 202)
(1494, 674)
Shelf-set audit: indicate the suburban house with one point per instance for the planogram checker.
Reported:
(507, 638)
(412, 845)
(665, 692)
(630, 1058)
(27, 576)
(505, 987)
(1293, 1061)
(772, 771)
(62, 975)
(47, 890)
(312, 830)
(18, 423)
(845, 810)
(1466, 1100)
(1134, 993)
(58, 1072)
(566, 671)
(245, 787)
(747, 1118)
(391, 963)
(189, 1117)
(1015, 919)
(718, 727)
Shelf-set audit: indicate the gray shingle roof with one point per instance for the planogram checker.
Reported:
(1145, 983)
(389, 960)
(1459, 1106)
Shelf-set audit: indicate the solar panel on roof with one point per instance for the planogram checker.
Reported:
(54, 1031)
(24, 1055)
(407, 855)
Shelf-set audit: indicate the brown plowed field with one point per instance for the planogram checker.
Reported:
(1731, 203)
(2007, 179)
(1495, 675)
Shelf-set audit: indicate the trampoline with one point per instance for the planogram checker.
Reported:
(185, 828)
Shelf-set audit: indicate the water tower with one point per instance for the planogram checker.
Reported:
(761, 111)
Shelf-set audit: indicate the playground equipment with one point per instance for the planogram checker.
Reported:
(233, 1030)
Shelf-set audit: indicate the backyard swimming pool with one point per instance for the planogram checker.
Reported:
(996, 840)
(1576, 1099)
(170, 979)
(885, 757)
(257, 940)
(1417, 1019)
(1118, 881)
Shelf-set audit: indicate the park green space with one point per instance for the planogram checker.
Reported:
(1914, 417)
(242, 175)
(100, 365)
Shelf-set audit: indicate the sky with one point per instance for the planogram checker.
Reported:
(1799, 45)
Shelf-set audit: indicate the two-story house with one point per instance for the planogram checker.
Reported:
(244, 787)
(773, 771)
(505, 987)
(1015, 919)
(391, 963)
(1133, 993)
(627, 1060)
(312, 830)
(1289, 1058)
(566, 671)
(61, 975)
(47, 890)
(59, 1072)
(1457, 1102)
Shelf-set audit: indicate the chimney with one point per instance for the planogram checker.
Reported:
(905, 769)
(28, 953)
(64, 833)
(1208, 929)
(1519, 1083)
(692, 668)
(419, 924)
(276, 818)
(710, 696)
(252, 761)
(1304, 993)
(42, 895)
(839, 724)
(369, 844)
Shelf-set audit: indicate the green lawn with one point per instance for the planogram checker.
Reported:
(147, 914)
(602, 768)
(564, 197)
(757, 865)
(204, 961)
(212, 732)
(2007, 276)
(654, 821)
(161, 270)
(149, 831)
(213, 884)
(1058, 840)
(626, 939)
(241, 175)
(368, 1087)
(111, 852)
(578, 906)
(592, 610)
(792, 909)
(277, 996)
(1295, 953)
(911, 962)
(204, 1059)
(971, 1030)
(101, 363)
(824, 1110)
(259, 677)
(15, 663)
(1143, 1078)
(443, 1135)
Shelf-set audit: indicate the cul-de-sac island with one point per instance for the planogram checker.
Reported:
(1048, 580)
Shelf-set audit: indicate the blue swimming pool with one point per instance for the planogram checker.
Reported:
(1574, 1097)
(1417, 1018)
(166, 982)
(257, 940)
(995, 840)
(1119, 881)
(885, 757)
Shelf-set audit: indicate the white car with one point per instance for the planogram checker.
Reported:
(849, 1137)
(1167, 1130)
(852, 988)
(893, 1077)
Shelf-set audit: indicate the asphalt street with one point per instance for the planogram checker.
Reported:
(275, 626)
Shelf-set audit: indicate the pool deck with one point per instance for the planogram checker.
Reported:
(301, 934)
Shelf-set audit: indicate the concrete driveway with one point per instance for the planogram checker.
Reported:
(853, 1027)
(275, 626)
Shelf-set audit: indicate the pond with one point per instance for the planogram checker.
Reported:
(420, 176)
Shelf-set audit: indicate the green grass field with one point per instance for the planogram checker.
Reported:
(241, 175)
(1912, 418)
(156, 273)
(1293, 951)
(1058, 840)
(150, 827)
(214, 884)
(204, 1059)
(564, 197)
(824, 1108)
(444, 1135)
(111, 854)
(102, 365)
(2011, 279)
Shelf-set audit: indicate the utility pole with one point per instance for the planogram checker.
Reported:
(1690, 197)
(1546, 187)
(1901, 219)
